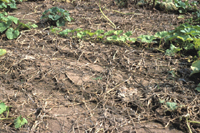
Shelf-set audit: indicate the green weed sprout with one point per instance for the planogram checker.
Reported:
(18, 122)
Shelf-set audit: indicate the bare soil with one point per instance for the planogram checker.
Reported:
(70, 85)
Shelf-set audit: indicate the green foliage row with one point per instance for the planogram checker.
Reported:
(111, 36)
(183, 38)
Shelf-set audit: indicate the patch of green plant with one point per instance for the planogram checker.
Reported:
(171, 106)
(56, 16)
(182, 39)
(11, 4)
(11, 25)
(185, 6)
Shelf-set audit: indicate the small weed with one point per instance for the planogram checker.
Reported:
(18, 122)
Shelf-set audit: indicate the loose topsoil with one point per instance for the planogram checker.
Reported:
(70, 85)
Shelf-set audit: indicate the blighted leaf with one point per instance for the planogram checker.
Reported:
(171, 105)
(12, 34)
(195, 67)
(2, 52)
(20, 122)
(3, 108)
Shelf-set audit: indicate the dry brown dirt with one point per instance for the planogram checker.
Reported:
(69, 85)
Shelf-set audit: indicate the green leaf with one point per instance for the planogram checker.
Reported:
(109, 33)
(171, 105)
(2, 5)
(189, 46)
(3, 108)
(90, 33)
(99, 32)
(112, 38)
(172, 50)
(198, 87)
(55, 30)
(78, 29)
(60, 22)
(185, 38)
(65, 32)
(197, 44)
(67, 17)
(2, 52)
(128, 34)
(195, 67)
(132, 40)
(146, 38)
(12, 34)
(20, 122)
(118, 32)
(4, 26)
(34, 26)
(12, 5)
(81, 34)
(122, 38)
(14, 19)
